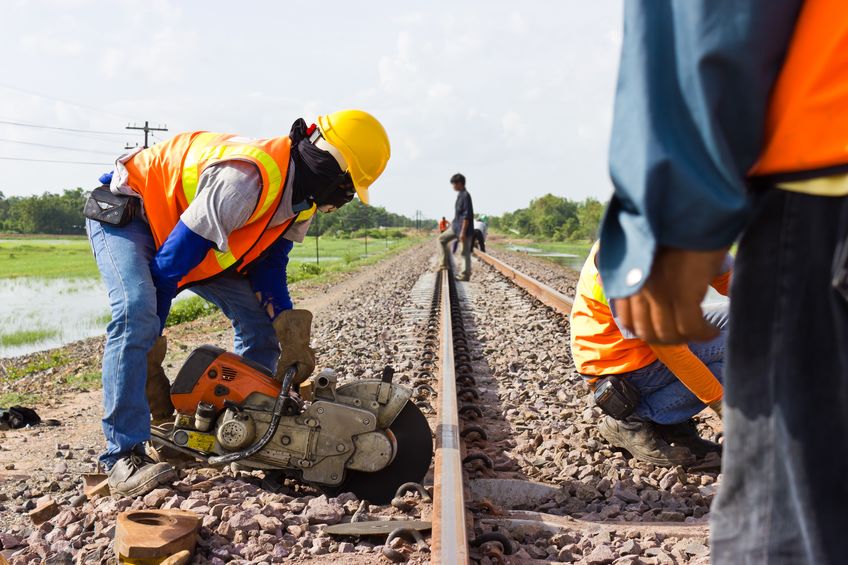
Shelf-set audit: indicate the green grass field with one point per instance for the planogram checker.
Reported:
(55, 258)
(71, 257)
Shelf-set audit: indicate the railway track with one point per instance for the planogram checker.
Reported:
(520, 474)
(492, 507)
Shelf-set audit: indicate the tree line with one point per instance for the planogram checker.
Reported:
(61, 214)
(554, 217)
(357, 217)
(45, 213)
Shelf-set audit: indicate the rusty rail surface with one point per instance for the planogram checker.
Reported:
(450, 540)
(539, 290)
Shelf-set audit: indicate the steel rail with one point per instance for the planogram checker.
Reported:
(539, 290)
(450, 539)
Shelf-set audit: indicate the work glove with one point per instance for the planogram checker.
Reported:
(158, 388)
(716, 406)
(294, 329)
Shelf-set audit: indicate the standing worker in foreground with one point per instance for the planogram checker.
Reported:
(218, 213)
(462, 228)
(734, 117)
(649, 392)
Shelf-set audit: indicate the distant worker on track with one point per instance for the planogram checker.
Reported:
(443, 224)
(481, 232)
(648, 392)
(462, 228)
(731, 119)
(218, 213)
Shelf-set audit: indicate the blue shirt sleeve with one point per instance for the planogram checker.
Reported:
(268, 277)
(693, 88)
(182, 251)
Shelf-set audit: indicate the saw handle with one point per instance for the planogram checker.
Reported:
(288, 378)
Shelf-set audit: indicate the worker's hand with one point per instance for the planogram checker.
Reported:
(667, 309)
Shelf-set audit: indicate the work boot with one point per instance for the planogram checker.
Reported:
(137, 473)
(158, 387)
(294, 330)
(685, 434)
(641, 440)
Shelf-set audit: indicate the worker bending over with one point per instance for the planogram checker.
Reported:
(649, 392)
(218, 213)
(462, 228)
(481, 232)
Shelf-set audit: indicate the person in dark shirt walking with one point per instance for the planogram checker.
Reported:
(462, 228)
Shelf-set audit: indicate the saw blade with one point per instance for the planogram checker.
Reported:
(413, 458)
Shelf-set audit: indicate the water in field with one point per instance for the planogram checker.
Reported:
(37, 314)
(570, 260)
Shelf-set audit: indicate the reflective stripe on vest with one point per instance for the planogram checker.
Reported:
(306, 214)
(201, 152)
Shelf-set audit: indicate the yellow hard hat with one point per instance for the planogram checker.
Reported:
(363, 143)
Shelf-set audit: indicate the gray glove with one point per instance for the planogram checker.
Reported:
(294, 330)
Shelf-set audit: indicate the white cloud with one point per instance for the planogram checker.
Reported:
(517, 23)
(51, 45)
(440, 90)
(513, 125)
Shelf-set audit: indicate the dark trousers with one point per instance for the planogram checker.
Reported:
(784, 492)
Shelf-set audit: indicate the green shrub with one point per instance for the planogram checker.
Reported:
(190, 309)
(310, 269)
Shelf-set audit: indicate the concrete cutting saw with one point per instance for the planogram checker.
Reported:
(364, 436)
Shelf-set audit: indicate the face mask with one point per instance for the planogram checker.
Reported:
(336, 194)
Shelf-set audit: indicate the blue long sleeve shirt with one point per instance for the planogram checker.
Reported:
(268, 278)
(693, 89)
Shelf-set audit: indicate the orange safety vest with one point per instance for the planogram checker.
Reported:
(443, 225)
(166, 177)
(807, 120)
(597, 345)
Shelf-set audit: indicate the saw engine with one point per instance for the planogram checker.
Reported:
(364, 436)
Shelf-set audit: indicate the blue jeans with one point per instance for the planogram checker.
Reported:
(784, 493)
(666, 400)
(123, 256)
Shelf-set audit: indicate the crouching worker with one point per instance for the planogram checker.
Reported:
(648, 392)
(217, 213)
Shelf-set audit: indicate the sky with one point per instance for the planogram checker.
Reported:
(516, 96)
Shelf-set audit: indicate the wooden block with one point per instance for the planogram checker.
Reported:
(45, 510)
(97, 489)
(155, 534)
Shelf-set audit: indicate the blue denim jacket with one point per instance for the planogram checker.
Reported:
(693, 88)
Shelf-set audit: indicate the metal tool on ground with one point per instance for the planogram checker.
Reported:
(365, 436)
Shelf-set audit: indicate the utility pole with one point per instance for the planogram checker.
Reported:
(317, 233)
(146, 129)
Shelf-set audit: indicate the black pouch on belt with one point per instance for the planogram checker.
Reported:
(113, 209)
(616, 397)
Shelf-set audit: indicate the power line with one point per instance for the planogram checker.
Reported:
(146, 129)
(48, 97)
(64, 147)
(41, 126)
(53, 161)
